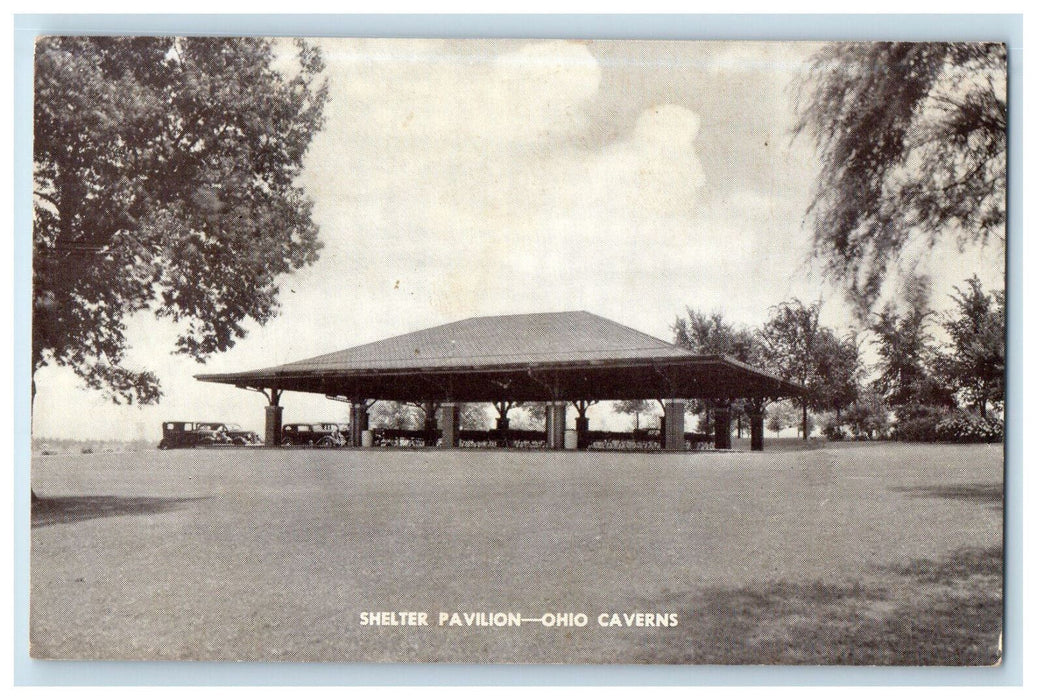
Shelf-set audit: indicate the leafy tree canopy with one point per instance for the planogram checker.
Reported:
(396, 414)
(913, 144)
(907, 353)
(973, 364)
(635, 406)
(164, 174)
(711, 334)
(804, 351)
(792, 339)
(840, 369)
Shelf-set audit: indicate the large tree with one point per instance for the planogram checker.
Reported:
(792, 338)
(397, 415)
(635, 406)
(907, 353)
(711, 334)
(913, 146)
(164, 181)
(973, 362)
(840, 369)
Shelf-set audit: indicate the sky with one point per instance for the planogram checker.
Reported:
(461, 178)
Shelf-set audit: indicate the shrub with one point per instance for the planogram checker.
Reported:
(834, 431)
(926, 423)
(962, 426)
(917, 422)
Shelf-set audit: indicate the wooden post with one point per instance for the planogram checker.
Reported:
(722, 420)
(431, 424)
(503, 422)
(583, 424)
(756, 413)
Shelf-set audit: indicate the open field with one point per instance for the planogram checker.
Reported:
(874, 553)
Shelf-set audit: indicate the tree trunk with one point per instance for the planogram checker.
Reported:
(804, 420)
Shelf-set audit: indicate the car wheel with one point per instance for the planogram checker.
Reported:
(287, 442)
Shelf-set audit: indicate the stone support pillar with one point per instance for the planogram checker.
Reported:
(360, 422)
(722, 421)
(273, 425)
(555, 417)
(674, 424)
(450, 425)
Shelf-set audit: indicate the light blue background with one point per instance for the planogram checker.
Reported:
(1007, 28)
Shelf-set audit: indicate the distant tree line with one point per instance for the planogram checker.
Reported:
(917, 389)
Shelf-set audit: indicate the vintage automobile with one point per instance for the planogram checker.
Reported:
(205, 434)
(316, 434)
(313, 434)
(231, 433)
(337, 434)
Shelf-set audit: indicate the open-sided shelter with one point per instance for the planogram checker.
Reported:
(556, 358)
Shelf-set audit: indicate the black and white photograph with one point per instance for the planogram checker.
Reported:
(518, 351)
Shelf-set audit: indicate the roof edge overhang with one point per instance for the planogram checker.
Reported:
(275, 376)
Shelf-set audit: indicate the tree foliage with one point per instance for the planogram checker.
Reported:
(906, 351)
(839, 371)
(711, 334)
(791, 340)
(474, 416)
(913, 144)
(397, 415)
(636, 406)
(867, 416)
(808, 353)
(164, 181)
(973, 362)
(779, 417)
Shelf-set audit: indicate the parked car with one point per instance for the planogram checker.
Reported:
(205, 434)
(232, 433)
(337, 434)
(316, 434)
(300, 434)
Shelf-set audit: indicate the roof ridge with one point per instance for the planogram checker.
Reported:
(334, 356)
(647, 335)
(528, 313)
(511, 354)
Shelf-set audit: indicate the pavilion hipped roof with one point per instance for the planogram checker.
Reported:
(526, 357)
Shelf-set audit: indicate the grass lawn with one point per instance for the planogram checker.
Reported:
(866, 554)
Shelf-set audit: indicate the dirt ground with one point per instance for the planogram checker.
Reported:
(875, 553)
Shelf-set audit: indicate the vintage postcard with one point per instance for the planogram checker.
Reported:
(509, 351)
